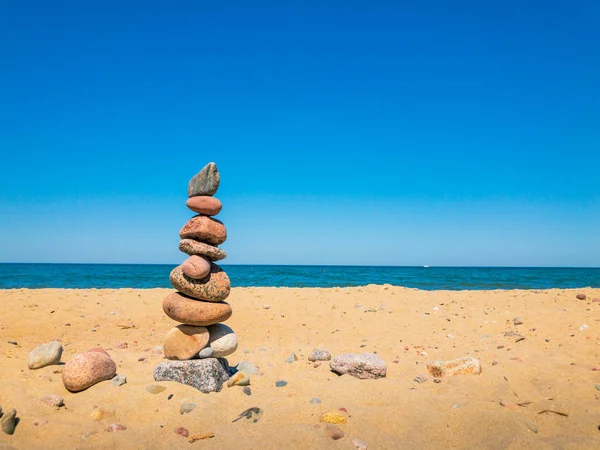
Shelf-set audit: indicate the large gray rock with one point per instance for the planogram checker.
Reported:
(359, 365)
(45, 355)
(205, 182)
(206, 375)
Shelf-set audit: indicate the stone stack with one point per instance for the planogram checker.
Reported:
(201, 342)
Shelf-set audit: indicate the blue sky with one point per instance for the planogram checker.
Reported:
(396, 133)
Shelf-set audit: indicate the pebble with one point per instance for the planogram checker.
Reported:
(359, 444)
(53, 400)
(182, 432)
(206, 352)
(292, 358)
(184, 342)
(193, 247)
(87, 369)
(222, 340)
(40, 422)
(86, 434)
(155, 388)
(206, 375)
(9, 421)
(359, 365)
(335, 417)
(204, 229)
(45, 355)
(319, 354)
(280, 383)
(204, 204)
(215, 287)
(531, 426)
(596, 300)
(192, 312)
(187, 408)
(509, 405)
(517, 321)
(580, 297)
(266, 306)
(246, 390)
(122, 345)
(239, 379)
(118, 380)
(115, 427)
(247, 367)
(315, 401)
(460, 366)
(334, 432)
(205, 182)
(99, 414)
(196, 267)
(10, 341)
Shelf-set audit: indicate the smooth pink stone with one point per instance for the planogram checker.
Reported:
(204, 204)
(196, 267)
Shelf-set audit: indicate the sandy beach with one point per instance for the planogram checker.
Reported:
(551, 369)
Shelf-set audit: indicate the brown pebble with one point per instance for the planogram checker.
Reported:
(182, 432)
(55, 401)
(510, 405)
(581, 296)
(115, 427)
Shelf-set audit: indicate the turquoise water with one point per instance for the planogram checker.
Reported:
(151, 276)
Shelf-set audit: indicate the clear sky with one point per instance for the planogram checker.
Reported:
(397, 133)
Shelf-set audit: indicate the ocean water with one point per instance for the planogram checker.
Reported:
(157, 275)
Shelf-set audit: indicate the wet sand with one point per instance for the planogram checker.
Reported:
(551, 369)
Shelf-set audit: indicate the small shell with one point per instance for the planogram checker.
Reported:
(420, 379)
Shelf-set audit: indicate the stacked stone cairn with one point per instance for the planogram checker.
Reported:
(196, 348)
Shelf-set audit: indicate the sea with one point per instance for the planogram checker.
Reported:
(85, 276)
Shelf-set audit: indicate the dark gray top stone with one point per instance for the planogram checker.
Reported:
(205, 182)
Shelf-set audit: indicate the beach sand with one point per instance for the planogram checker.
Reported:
(551, 369)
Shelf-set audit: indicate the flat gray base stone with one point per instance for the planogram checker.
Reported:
(206, 375)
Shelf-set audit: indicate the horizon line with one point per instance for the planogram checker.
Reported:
(315, 265)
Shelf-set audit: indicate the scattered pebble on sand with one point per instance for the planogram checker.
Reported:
(9, 421)
(187, 408)
(182, 432)
(315, 401)
(359, 444)
(292, 358)
(115, 427)
(319, 354)
(55, 401)
(280, 383)
(43, 355)
(335, 417)
(581, 296)
(118, 380)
